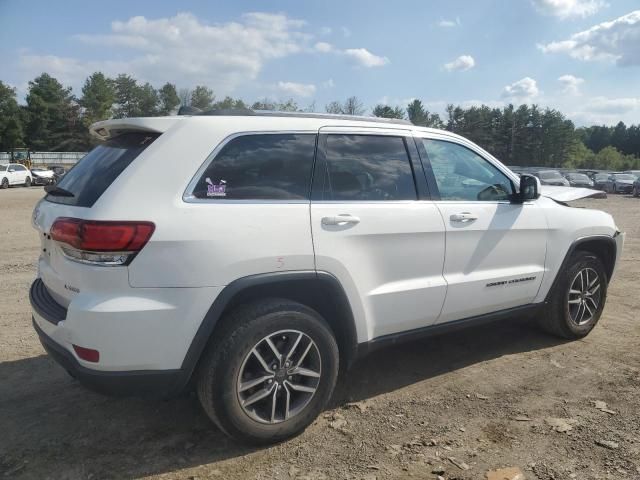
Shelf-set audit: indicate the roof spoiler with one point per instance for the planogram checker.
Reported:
(108, 129)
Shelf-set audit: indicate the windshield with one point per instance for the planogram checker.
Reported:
(550, 175)
(624, 176)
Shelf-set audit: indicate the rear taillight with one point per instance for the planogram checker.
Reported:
(101, 242)
(87, 354)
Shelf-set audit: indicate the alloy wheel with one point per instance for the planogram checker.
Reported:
(584, 296)
(279, 376)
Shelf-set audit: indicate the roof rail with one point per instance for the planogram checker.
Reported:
(240, 112)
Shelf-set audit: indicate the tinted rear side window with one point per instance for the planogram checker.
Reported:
(98, 169)
(367, 168)
(264, 166)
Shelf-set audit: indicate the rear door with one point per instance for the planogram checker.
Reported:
(495, 249)
(375, 228)
(19, 174)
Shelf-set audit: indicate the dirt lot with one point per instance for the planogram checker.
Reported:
(484, 397)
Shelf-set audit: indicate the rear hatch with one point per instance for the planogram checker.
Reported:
(80, 251)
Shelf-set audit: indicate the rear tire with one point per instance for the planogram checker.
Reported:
(578, 299)
(27, 182)
(240, 365)
(635, 191)
(4, 184)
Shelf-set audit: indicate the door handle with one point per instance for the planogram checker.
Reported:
(341, 219)
(464, 217)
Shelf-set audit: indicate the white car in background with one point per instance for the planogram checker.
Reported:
(287, 245)
(14, 174)
(42, 176)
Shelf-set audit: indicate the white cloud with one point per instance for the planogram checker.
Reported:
(364, 58)
(323, 47)
(568, 8)
(328, 83)
(184, 50)
(617, 40)
(614, 106)
(571, 84)
(460, 64)
(359, 56)
(296, 89)
(395, 101)
(605, 111)
(326, 30)
(449, 23)
(522, 91)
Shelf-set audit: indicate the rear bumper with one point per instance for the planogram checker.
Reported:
(152, 383)
(142, 336)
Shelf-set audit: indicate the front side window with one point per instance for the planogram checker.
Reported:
(367, 168)
(463, 175)
(19, 168)
(260, 166)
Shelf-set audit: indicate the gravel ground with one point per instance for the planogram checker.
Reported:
(457, 406)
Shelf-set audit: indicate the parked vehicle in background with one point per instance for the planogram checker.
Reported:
(58, 172)
(14, 174)
(635, 173)
(622, 182)
(42, 176)
(603, 181)
(551, 177)
(579, 180)
(288, 245)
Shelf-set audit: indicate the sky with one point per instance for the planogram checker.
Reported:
(579, 56)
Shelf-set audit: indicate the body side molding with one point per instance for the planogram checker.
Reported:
(442, 328)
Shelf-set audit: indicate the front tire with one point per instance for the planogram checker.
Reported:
(27, 182)
(269, 371)
(578, 299)
(635, 191)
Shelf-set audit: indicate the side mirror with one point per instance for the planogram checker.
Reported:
(529, 188)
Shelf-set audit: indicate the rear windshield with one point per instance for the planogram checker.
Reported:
(98, 169)
(550, 175)
(578, 176)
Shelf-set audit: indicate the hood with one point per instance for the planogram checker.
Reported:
(43, 173)
(568, 194)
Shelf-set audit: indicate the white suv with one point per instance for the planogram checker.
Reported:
(255, 253)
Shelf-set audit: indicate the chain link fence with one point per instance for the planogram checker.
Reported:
(49, 158)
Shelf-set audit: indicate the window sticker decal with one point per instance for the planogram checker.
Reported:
(218, 190)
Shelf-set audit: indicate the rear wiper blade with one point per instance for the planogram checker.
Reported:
(57, 191)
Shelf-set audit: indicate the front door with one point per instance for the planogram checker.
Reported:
(495, 249)
(373, 231)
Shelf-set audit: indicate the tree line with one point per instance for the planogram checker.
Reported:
(54, 119)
